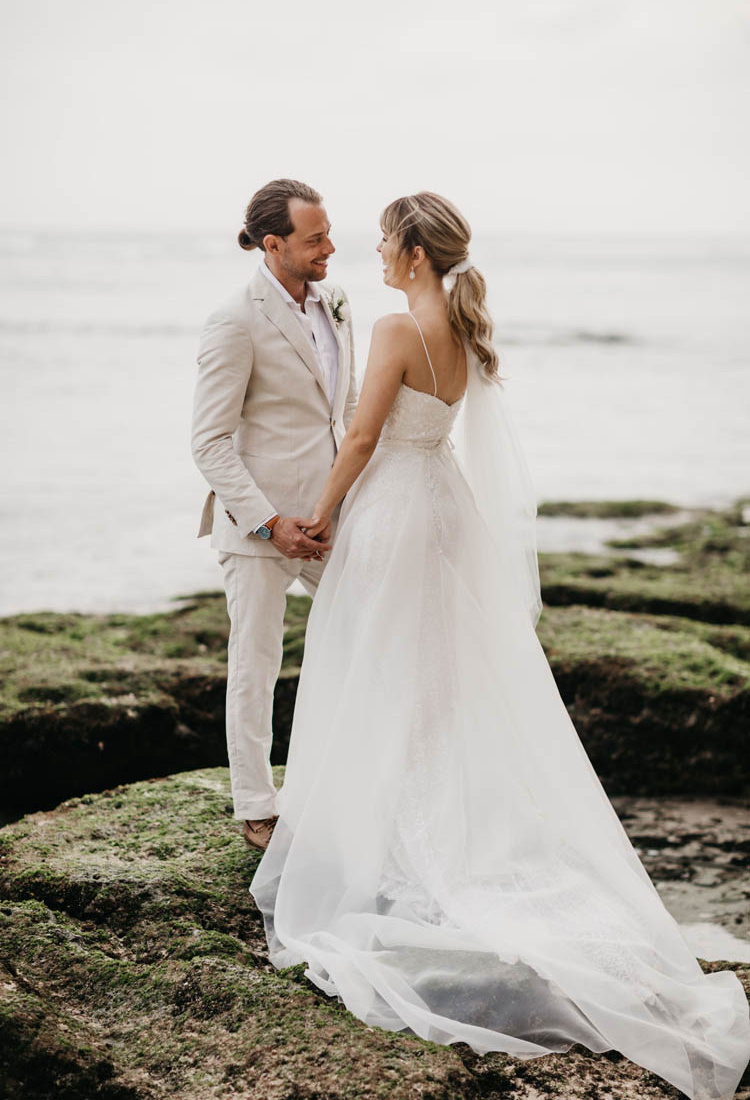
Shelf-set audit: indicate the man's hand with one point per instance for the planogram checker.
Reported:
(289, 537)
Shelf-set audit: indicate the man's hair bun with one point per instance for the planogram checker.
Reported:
(268, 211)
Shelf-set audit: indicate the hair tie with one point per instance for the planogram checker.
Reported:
(460, 268)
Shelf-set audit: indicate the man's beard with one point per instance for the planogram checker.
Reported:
(308, 274)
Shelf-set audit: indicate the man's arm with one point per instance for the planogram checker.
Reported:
(225, 363)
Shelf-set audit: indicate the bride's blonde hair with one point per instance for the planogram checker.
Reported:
(433, 222)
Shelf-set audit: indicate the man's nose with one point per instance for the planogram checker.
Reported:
(329, 247)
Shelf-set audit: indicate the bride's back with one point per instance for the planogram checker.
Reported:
(446, 353)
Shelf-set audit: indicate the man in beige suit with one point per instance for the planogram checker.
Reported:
(276, 390)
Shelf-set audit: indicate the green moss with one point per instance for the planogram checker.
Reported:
(664, 653)
(711, 590)
(605, 509)
(50, 659)
(295, 624)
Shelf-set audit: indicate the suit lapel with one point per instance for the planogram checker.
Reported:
(279, 314)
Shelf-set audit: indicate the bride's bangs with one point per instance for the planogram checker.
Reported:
(398, 218)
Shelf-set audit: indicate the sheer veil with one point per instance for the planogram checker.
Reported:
(492, 460)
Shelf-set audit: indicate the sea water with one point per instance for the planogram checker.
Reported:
(628, 362)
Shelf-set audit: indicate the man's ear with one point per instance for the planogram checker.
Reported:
(271, 243)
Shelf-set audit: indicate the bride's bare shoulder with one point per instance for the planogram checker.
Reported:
(393, 322)
(393, 330)
(391, 341)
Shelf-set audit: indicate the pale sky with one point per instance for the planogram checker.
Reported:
(544, 115)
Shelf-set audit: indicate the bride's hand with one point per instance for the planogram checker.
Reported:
(320, 527)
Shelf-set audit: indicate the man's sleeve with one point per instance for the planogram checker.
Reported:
(225, 363)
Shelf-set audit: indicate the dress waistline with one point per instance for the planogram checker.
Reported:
(430, 446)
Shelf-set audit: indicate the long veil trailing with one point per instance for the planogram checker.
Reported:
(490, 453)
(446, 860)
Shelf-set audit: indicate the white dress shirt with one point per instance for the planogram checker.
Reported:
(317, 328)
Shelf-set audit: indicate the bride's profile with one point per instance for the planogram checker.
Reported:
(445, 859)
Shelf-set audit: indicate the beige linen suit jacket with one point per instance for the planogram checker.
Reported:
(264, 432)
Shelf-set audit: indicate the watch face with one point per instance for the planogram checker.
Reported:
(264, 532)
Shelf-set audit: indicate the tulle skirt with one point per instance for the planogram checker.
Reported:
(445, 860)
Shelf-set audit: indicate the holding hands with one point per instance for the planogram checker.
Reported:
(291, 535)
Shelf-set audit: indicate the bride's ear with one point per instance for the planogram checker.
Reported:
(417, 255)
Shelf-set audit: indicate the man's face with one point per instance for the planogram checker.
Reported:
(304, 253)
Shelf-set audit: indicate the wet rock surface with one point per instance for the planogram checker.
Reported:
(697, 852)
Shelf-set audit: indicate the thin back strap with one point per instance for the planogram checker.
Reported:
(432, 371)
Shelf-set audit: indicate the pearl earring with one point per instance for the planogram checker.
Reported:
(411, 273)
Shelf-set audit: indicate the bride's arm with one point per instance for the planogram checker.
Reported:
(385, 370)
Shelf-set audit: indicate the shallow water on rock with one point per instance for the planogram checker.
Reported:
(590, 535)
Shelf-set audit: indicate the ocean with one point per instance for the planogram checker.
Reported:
(628, 362)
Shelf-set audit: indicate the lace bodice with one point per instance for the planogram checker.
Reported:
(419, 419)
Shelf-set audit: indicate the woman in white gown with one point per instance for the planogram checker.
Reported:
(445, 859)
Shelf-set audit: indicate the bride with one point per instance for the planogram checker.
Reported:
(445, 859)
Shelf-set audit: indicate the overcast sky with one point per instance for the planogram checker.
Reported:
(548, 115)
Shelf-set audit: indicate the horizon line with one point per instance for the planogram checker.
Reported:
(215, 231)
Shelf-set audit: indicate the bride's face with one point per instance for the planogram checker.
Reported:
(388, 254)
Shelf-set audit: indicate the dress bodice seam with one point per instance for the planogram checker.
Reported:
(434, 396)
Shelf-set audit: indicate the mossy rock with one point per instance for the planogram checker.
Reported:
(712, 592)
(709, 581)
(606, 509)
(652, 662)
(660, 707)
(660, 702)
(89, 701)
(133, 966)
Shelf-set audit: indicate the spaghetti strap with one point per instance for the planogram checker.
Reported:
(424, 345)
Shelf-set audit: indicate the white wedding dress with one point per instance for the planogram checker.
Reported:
(445, 859)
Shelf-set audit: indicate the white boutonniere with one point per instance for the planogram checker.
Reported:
(338, 306)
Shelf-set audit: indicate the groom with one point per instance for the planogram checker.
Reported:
(275, 392)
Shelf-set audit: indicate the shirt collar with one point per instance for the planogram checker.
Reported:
(312, 293)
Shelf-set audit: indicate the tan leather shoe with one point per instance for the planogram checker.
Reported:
(258, 833)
